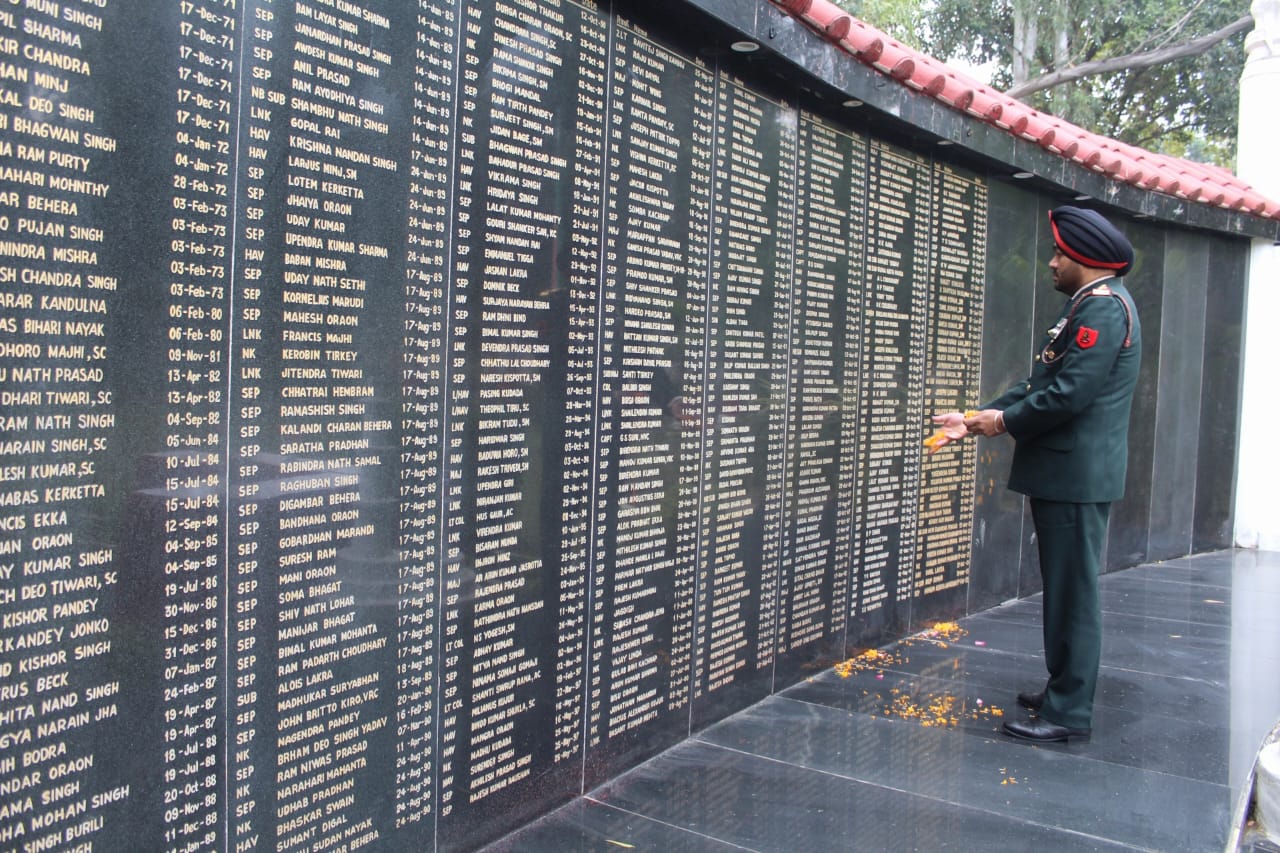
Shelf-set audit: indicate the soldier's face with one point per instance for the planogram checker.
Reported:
(1067, 274)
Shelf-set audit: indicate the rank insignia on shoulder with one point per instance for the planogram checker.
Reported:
(1086, 337)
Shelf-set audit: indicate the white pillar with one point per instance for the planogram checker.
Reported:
(1258, 460)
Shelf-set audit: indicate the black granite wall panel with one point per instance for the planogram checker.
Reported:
(957, 269)
(891, 410)
(1015, 253)
(1182, 329)
(413, 415)
(1220, 395)
(751, 599)
(1127, 536)
(647, 452)
(824, 394)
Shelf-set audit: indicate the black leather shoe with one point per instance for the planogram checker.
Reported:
(1031, 701)
(1042, 731)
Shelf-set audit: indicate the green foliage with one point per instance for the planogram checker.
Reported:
(903, 20)
(1186, 107)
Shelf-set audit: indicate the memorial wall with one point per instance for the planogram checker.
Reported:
(413, 414)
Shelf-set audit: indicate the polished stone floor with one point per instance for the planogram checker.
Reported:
(900, 750)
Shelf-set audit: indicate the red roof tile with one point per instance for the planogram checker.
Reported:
(1195, 182)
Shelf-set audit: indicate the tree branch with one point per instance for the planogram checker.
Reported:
(1172, 32)
(1146, 59)
(1151, 138)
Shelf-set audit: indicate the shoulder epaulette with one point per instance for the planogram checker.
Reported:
(1105, 290)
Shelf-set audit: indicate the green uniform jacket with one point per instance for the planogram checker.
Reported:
(1070, 418)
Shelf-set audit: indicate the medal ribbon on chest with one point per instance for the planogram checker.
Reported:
(1050, 354)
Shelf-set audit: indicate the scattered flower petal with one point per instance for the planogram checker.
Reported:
(869, 660)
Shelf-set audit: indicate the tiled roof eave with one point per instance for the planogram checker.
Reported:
(1114, 160)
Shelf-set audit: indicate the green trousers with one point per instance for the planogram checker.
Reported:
(1070, 538)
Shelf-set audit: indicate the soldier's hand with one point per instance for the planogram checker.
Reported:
(951, 428)
(988, 422)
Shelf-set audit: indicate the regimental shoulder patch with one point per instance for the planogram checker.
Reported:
(1102, 290)
(1086, 337)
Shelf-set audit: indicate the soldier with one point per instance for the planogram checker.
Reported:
(1070, 423)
